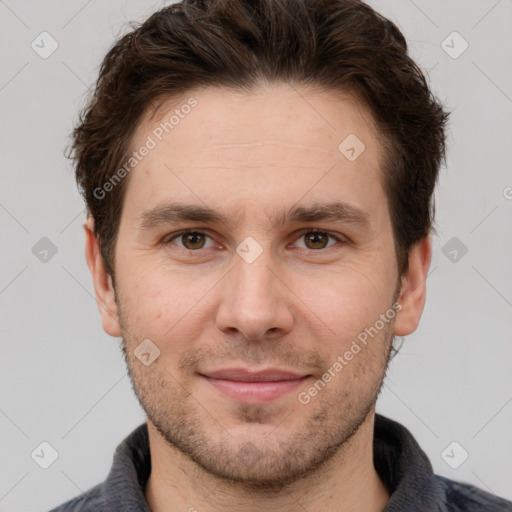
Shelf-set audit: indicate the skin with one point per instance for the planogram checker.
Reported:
(251, 156)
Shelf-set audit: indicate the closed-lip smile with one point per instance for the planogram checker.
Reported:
(254, 387)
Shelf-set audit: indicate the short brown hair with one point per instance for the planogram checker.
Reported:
(338, 45)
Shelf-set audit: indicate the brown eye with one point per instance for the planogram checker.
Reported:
(317, 240)
(193, 240)
(190, 240)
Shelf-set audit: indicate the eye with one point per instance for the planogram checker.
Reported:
(191, 240)
(316, 239)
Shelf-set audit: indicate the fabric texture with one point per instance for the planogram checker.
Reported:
(400, 462)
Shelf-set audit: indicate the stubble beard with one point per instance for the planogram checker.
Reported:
(254, 464)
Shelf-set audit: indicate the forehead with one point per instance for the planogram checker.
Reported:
(280, 141)
(226, 119)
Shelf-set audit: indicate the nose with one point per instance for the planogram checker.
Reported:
(255, 300)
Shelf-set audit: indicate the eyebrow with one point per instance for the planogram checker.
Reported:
(176, 212)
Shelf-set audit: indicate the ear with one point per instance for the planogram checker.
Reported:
(414, 288)
(105, 293)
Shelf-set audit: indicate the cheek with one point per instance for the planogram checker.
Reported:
(165, 308)
(335, 302)
(345, 301)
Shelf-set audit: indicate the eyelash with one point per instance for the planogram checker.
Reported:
(168, 240)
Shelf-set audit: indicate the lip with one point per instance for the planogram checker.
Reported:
(243, 375)
(254, 387)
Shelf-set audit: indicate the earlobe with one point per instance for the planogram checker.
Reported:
(103, 286)
(413, 292)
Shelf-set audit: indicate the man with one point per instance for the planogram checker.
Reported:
(259, 178)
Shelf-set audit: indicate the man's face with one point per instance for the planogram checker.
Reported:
(210, 305)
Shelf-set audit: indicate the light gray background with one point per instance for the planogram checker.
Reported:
(63, 379)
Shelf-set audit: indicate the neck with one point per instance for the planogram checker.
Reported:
(348, 482)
